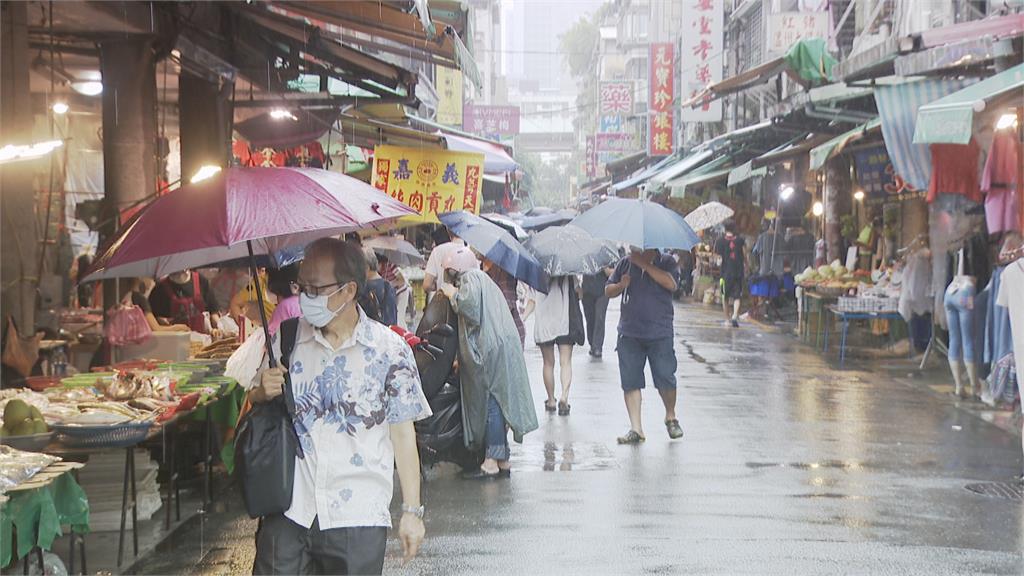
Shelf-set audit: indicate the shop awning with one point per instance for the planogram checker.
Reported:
(791, 149)
(951, 119)
(709, 172)
(642, 176)
(496, 160)
(745, 172)
(821, 154)
(680, 168)
(807, 62)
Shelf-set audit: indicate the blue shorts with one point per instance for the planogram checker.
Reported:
(635, 353)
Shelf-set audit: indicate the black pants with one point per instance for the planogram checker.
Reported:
(595, 308)
(284, 547)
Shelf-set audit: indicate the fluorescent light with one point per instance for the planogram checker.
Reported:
(60, 108)
(785, 191)
(281, 114)
(818, 209)
(88, 88)
(16, 152)
(204, 172)
(1006, 121)
(858, 195)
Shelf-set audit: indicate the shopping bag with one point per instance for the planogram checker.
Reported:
(20, 353)
(127, 324)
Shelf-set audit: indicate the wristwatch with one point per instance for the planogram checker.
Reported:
(416, 511)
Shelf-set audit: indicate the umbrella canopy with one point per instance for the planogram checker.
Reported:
(542, 221)
(565, 250)
(638, 223)
(214, 220)
(508, 224)
(707, 215)
(396, 249)
(498, 246)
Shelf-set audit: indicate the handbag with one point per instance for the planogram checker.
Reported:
(126, 324)
(266, 444)
(20, 353)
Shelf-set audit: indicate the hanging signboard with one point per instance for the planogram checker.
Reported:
(785, 28)
(482, 119)
(878, 178)
(591, 157)
(615, 142)
(660, 116)
(449, 93)
(615, 98)
(429, 181)
(702, 56)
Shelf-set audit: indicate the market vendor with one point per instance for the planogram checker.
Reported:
(182, 298)
(136, 290)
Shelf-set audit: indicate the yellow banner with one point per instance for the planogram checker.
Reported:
(449, 95)
(430, 181)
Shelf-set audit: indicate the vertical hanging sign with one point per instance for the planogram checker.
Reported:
(591, 157)
(660, 100)
(449, 93)
(701, 57)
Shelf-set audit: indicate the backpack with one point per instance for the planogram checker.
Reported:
(266, 444)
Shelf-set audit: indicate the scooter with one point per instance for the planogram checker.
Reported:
(435, 346)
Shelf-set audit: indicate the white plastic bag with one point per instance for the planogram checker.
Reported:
(246, 361)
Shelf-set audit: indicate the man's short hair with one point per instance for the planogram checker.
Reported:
(348, 259)
(371, 258)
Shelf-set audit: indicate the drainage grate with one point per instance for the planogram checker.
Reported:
(1005, 490)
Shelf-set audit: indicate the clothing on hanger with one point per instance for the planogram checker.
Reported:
(955, 171)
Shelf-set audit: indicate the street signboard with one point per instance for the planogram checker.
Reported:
(483, 119)
(702, 56)
(660, 115)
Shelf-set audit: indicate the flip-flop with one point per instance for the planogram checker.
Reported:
(631, 437)
(550, 407)
(563, 408)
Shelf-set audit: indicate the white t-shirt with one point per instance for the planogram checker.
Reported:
(438, 256)
(1011, 296)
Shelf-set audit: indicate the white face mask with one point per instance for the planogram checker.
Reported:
(316, 311)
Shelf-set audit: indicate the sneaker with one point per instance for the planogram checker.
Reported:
(674, 429)
(631, 437)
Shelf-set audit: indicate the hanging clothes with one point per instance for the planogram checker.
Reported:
(955, 171)
(998, 335)
(915, 295)
(999, 183)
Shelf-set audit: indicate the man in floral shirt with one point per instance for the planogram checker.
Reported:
(357, 393)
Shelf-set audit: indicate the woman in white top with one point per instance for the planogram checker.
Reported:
(559, 322)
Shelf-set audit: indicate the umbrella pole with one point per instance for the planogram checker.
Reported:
(259, 297)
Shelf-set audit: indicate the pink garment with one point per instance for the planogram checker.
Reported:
(999, 181)
(955, 171)
(286, 309)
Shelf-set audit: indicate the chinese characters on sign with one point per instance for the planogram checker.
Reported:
(701, 56)
(429, 181)
(500, 120)
(591, 157)
(878, 178)
(786, 28)
(619, 143)
(449, 94)
(615, 98)
(660, 115)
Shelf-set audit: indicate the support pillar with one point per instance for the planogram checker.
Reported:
(19, 240)
(128, 67)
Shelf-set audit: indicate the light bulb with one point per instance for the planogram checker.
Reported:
(204, 172)
(1006, 121)
(60, 108)
(90, 88)
(818, 209)
(858, 195)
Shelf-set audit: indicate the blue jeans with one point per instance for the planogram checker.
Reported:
(961, 322)
(496, 434)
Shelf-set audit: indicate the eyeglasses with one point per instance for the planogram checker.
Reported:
(313, 291)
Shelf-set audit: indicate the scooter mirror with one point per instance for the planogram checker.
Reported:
(442, 330)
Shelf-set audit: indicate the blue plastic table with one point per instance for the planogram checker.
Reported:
(846, 317)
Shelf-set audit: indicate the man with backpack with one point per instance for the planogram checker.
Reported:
(356, 393)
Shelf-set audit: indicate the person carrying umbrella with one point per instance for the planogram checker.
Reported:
(495, 385)
(559, 324)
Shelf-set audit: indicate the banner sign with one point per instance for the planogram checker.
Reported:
(615, 142)
(430, 181)
(702, 56)
(785, 28)
(660, 116)
(612, 124)
(877, 177)
(449, 94)
(615, 98)
(481, 119)
(591, 157)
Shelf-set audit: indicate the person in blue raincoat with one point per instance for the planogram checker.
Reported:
(495, 386)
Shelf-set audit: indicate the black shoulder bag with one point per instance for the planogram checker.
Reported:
(266, 444)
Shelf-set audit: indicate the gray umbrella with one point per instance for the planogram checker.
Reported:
(565, 250)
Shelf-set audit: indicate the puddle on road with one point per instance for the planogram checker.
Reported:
(827, 496)
(700, 359)
(848, 465)
(564, 457)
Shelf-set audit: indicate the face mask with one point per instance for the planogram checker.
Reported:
(316, 311)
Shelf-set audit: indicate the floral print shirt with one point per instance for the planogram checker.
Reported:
(345, 400)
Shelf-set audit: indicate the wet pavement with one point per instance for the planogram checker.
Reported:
(788, 466)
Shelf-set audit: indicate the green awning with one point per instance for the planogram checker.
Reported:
(951, 119)
(745, 172)
(672, 171)
(821, 154)
(711, 171)
(810, 60)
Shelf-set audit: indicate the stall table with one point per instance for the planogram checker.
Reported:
(818, 303)
(846, 317)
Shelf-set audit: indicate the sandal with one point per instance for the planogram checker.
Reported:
(674, 429)
(631, 437)
(480, 474)
(550, 407)
(563, 408)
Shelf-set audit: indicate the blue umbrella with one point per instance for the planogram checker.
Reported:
(498, 246)
(639, 223)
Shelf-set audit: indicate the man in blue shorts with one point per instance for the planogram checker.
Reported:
(646, 281)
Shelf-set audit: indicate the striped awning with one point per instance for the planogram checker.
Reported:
(897, 107)
(832, 148)
(950, 119)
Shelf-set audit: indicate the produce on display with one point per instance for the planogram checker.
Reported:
(21, 419)
(834, 276)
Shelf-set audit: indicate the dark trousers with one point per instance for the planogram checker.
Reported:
(284, 547)
(594, 309)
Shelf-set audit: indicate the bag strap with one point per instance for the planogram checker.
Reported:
(289, 329)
